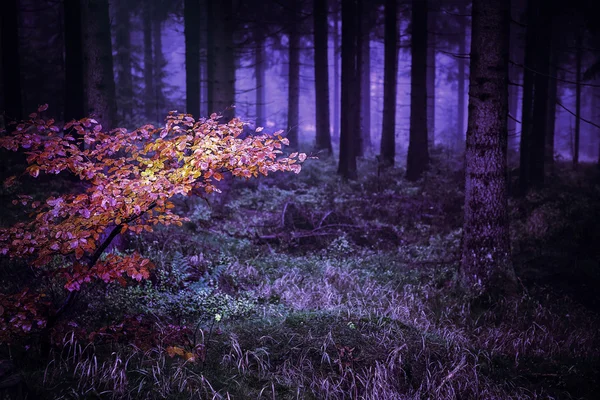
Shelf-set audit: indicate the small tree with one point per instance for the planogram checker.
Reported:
(128, 179)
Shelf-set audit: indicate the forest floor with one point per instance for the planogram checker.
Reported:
(306, 287)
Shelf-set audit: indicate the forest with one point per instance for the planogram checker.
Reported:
(299, 199)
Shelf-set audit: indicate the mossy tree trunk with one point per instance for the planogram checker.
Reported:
(486, 264)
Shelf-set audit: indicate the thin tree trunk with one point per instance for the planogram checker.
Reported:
(528, 90)
(336, 77)
(221, 59)
(99, 76)
(293, 109)
(579, 57)
(123, 63)
(191, 23)
(149, 90)
(462, 50)
(259, 72)
(349, 133)
(358, 39)
(323, 135)
(418, 151)
(365, 78)
(74, 71)
(388, 126)
(431, 72)
(486, 265)
(159, 66)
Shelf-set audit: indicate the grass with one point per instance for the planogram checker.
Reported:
(310, 288)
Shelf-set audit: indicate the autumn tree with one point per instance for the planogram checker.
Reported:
(128, 180)
(486, 264)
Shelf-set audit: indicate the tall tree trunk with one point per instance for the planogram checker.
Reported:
(11, 78)
(293, 109)
(159, 66)
(551, 116)
(388, 126)
(486, 265)
(578, 61)
(513, 104)
(123, 63)
(149, 90)
(350, 102)
(323, 136)
(462, 76)
(336, 76)
(192, 24)
(259, 72)
(365, 82)
(221, 59)
(540, 106)
(431, 72)
(358, 43)
(528, 90)
(99, 75)
(74, 71)
(418, 151)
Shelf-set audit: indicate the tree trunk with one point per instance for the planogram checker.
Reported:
(486, 266)
(323, 135)
(336, 77)
(191, 23)
(358, 44)
(365, 82)
(123, 63)
(462, 61)
(578, 61)
(350, 102)
(418, 151)
(11, 72)
(221, 59)
(431, 72)
(74, 71)
(259, 72)
(551, 113)
(388, 126)
(528, 90)
(293, 109)
(149, 91)
(99, 76)
(159, 66)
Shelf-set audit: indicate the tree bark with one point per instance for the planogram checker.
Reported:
(323, 135)
(191, 23)
(349, 129)
(99, 75)
(578, 61)
(486, 265)
(221, 59)
(293, 108)
(74, 71)
(11, 72)
(431, 72)
(388, 126)
(336, 76)
(123, 63)
(462, 76)
(418, 151)
(551, 112)
(365, 79)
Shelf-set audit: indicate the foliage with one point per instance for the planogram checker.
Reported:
(127, 180)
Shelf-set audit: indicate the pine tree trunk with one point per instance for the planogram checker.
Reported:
(431, 72)
(418, 151)
(11, 72)
(578, 61)
(462, 76)
(99, 75)
(293, 109)
(388, 126)
(259, 72)
(159, 66)
(123, 63)
(149, 90)
(74, 71)
(221, 59)
(323, 135)
(336, 77)
(349, 129)
(486, 266)
(358, 44)
(191, 23)
(528, 91)
(365, 79)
